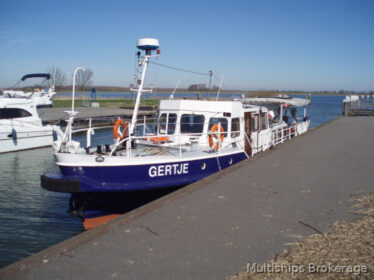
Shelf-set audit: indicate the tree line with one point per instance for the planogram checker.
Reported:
(84, 82)
(83, 79)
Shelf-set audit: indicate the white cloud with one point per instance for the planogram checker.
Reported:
(13, 43)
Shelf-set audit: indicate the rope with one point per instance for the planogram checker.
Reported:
(180, 69)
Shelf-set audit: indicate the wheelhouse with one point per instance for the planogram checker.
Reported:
(193, 120)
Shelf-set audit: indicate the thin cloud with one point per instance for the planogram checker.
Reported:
(13, 43)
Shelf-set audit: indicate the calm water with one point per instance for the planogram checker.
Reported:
(32, 219)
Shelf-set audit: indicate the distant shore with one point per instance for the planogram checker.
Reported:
(251, 93)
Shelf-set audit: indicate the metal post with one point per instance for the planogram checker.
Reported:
(180, 146)
(140, 90)
(75, 72)
(144, 125)
(89, 132)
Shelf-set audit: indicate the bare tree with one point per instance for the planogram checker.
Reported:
(58, 77)
(84, 79)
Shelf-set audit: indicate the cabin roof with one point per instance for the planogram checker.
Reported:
(298, 102)
(234, 107)
(15, 102)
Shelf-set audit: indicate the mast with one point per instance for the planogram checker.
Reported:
(148, 45)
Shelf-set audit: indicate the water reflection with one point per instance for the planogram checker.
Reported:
(31, 218)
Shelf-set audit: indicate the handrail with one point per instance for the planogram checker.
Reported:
(179, 135)
(285, 134)
(85, 129)
(278, 135)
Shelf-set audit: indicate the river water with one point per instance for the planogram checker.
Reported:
(32, 218)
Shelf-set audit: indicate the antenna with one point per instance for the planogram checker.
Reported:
(148, 45)
(219, 89)
(172, 95)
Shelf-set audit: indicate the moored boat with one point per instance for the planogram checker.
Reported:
(188, 141)
(41, 97)
(21, 127)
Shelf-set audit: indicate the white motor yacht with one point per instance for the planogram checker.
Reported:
(41, 97)
(21, 127)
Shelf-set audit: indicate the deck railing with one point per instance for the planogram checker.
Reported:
(362, 105)
(282, 134)
(146, 131)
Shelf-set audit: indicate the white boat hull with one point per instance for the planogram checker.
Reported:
(25, 140)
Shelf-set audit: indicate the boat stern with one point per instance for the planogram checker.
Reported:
(60, 183)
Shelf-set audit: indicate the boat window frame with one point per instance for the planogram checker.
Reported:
(224, 122)
(13, 113)
(167, 123)
(236, 132)
(255, 122)
(162, 124)
(263, 123)
(169, 130)
(199, 125)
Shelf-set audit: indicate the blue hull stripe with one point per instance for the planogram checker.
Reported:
(147, 177)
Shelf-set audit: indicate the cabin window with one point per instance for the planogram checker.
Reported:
(254, 124)
(13, 113)
(162, 124)
(172, 120)
(167, 123)
(222, 121)
(192, 123)
(235, 127)
(264, 124)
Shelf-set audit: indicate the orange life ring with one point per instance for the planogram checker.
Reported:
(214, 134)
(117, 129)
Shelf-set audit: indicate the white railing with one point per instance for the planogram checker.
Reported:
(183, 142)
(282, 134)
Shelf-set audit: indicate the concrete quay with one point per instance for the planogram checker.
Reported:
(213, 228)
(49, 115)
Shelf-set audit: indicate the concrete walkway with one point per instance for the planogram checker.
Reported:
(56, 114)
(211, 229)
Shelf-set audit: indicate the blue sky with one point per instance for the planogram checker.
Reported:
(286, 45)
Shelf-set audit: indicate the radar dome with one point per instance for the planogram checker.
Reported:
(148, 44)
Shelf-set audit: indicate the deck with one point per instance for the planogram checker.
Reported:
(98, 114)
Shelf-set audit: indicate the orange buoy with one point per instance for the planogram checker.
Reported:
(214, 134)
(156, 139)
(117, 133)
(159, 139)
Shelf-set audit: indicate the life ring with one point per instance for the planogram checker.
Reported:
(117, 133)
(214, 134)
